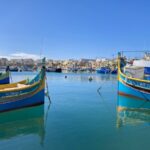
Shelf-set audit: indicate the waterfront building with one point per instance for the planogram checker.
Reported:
(3, 61)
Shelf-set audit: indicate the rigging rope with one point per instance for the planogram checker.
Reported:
(47, 92)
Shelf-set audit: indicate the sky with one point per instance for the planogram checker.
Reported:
(63, 29)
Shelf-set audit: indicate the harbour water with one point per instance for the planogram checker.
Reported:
(79, 118)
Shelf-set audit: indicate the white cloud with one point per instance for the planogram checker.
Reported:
(5, 57)
(22, 56)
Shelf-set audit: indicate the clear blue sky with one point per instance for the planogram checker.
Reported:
(74, 28)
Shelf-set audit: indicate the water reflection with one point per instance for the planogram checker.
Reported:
(130, 116)
(22, 122)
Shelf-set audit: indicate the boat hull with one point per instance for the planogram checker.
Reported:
(36, 99)
(114, 71)
(103, 71)
(58, 70)
(5, 81)
(134, 98)
(4, 78)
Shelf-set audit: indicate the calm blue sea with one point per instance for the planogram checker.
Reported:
(79, 118)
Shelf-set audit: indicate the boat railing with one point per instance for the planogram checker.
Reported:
(135, 83)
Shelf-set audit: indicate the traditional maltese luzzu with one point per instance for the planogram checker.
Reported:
(134, 82)
(24, 93)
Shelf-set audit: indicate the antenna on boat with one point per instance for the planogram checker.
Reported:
(40, 53)
(41, 49)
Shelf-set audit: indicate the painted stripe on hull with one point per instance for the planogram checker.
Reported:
(132, 98)
(5, 81)
(30, 101)
(136, 87)
(134, 92)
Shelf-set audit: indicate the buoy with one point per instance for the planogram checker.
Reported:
(90, 78)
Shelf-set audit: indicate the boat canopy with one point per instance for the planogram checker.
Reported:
(134, 71)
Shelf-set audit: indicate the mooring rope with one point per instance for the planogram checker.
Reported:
(106, 105)
(47, 92)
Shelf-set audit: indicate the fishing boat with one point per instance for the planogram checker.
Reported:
(4, 77)
(114, 71)
(104, 70)
(52, 69)
(14, 69)
(24, 93)
(133, 85)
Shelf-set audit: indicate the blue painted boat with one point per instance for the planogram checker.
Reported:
(5, 77)
(115, 71)
(23, 94)
(147, 77)
(14, 69)
(147, 70)
(104, 70)
(136, 90)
